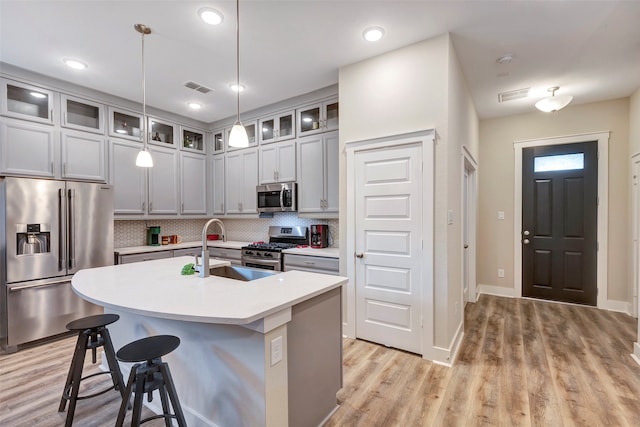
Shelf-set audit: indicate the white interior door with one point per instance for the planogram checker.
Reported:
(388, 242)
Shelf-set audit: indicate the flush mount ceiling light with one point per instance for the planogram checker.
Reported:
(75, 64)
(194, 105)
(553, 103)
(236, 88)
(238, 136)
(210, 16)
(144, 159)
(373, 34)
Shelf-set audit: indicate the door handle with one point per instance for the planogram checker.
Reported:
(526, 232)
(526, 241)
(360, 255)
(466, 246)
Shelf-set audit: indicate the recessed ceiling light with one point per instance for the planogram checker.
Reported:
(234, 87)
(210, 16)
(373, 34)
(75, 64)
(38, 95)
(194, 105)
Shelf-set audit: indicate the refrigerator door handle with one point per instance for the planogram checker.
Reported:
(61, 254)
(71, 234)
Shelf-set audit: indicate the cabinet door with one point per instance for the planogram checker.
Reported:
(241, 181)
(250, 177)
(26, 148)
(194, 182)
(27, 102)
(311, 180)
(268, 164)
(83, 156)
(163, 181)
(218, 175)
(192, 140)
(218, 141)
(234, 180)
(309, 120)
(267, 129)
(332, 197)
(161, 132)
(82, 114)
(286, 126)
(286, 161)
(331, 115)
(129, 182)
(125, 124)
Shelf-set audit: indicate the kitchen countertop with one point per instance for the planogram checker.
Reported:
(231, 244)
(321, 252)
(191, 298)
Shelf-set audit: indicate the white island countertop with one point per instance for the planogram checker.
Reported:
(157, 289)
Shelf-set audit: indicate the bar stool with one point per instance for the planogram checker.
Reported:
(151, 375)
(92, 334)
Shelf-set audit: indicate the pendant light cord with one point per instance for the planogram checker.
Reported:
(238, 59)
(144, 99)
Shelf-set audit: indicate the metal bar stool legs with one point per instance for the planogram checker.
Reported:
(92, 334)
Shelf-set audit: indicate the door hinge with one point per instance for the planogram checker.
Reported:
(597, 246)
(598, 201)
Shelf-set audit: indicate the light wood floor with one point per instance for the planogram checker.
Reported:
(521, 363)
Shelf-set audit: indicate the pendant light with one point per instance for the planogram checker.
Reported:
(553, 103)
(238, 137)
(144, 159)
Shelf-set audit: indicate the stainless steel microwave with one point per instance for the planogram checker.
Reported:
(282, 197)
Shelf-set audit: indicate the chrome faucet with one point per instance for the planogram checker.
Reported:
(203, 269)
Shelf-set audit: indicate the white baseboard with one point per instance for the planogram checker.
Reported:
(636, 352)
(619, 306)
(498, 291)
(446, 356)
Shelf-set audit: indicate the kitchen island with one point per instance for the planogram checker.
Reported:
(267, 352)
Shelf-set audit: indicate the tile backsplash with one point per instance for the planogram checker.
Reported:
(134, 232)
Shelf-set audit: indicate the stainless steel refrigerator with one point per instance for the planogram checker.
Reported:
(49, 230)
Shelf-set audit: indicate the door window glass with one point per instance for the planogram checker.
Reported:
(560, 162)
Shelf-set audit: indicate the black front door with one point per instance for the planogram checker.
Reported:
(559, 222)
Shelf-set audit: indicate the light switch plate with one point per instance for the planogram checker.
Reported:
(450, 217)
(276, 350)
(500, 214)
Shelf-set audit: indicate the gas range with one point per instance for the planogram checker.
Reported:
(269, 255)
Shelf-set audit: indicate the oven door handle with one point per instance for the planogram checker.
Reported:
(255, 260)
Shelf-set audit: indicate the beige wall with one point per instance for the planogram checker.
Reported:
(634, 123)
(414, 88)
(496, 185)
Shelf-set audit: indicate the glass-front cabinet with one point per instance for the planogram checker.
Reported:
(81, 114)
(277, 128)
(192, 140)
(218, 141)
(250, 127)
(161, 132)
(316, 118)
(27, 102)
(125, 124)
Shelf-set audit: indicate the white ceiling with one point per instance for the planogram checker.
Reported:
(591, 49)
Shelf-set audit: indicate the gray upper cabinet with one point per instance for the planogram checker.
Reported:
(319, 117)
(81, 114)
(162, 132)
(194, 183)
(27, 102)
(26, 148)
(84, 156)
(278, 127)
(192, 140)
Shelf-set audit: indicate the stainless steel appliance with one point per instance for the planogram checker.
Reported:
(282, 197)
(268, 256)
(319, 236)
(48, 231)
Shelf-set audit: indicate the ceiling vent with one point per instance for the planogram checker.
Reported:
(196, 86)
(513, 94)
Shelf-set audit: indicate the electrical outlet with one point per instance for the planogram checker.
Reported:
(276, 350)
(500, 272)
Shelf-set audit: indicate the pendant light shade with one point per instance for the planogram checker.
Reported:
(238, 137)
(144, 159)
(553, 103)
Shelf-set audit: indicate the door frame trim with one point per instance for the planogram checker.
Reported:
(603, 205)
(427, 140)
(470, 164)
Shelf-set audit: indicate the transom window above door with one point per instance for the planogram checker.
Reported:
(561, 162)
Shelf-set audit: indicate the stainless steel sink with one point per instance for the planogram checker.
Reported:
(244, 274)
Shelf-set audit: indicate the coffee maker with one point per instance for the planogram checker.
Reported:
(153, 236)
(319, 236)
